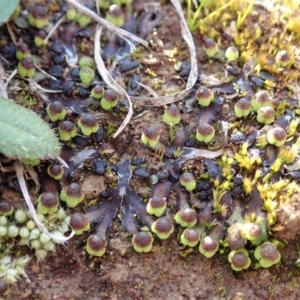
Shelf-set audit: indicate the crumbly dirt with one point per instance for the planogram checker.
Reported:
(167, 272)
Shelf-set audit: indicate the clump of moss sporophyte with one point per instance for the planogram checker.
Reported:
(210, 47)
(231, 53)
(56, 111)
(186, 217)
(239, 259)
(190, 237)
(26, 67)
(39, 39)
(67, 130)
(142, 241)
(260, 99)
(204, 96)
(242, 108)
(47, 203)
(150, 136)
(38, 16)
(205, 132)
(267, 254)
(188, 180)
(115, 15)
(163, 227)
(22, 51)
(276, 136)
(87, 61)
(208, 246)
(55, 171)
(96, 245)
(86, 75)
(171, 115)
(109, 99)
(88, 124)
(156, 206)
(72, 194)
(97, 92)
(79, 223)
(266, 115)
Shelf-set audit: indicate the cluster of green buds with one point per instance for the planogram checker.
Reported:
(19, 224)
(87, 70)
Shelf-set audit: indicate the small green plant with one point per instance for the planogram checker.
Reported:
(24, 134)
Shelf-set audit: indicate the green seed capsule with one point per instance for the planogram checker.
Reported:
(97, 92)
(204, 96)
(163, 227)
(205, 133)
(210, 47)
(44, 238)
(150, 136)
(232, 53)
(26, 67)
(12, 231)
(171, 115)
(30, 224)
(21, 216)
(96, 245)
(34, 234)
(55, 171)
(56, 111)
(87, 61)
(242, 108)
(72, 194)
(36, 244)
(187, 180)
(109, 99)
(24, 232)
(67, 130)
(88, 124)
(142, 241)
(86, 75)
(22, 51)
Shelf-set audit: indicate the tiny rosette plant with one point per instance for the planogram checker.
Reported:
(239, 259)
(208, 246)
(267, 254)
(142, 241)
(96, 245)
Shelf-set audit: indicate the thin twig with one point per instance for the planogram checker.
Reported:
(109, 79)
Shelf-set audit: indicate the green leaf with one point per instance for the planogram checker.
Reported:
(7, 7)
(23, 134)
